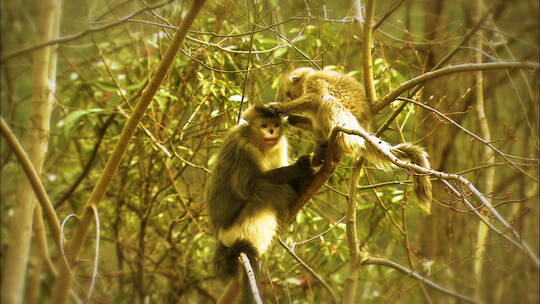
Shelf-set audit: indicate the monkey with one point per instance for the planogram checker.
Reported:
(251, 191)
(331, 99)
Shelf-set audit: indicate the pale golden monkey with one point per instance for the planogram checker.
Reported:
(331, 99)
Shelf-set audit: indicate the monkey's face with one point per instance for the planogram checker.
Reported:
(293, 84)
(268, 131)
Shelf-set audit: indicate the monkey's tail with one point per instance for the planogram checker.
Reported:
(422, 183)
(228, 266)
(226, 259)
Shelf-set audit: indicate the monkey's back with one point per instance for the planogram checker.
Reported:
(346, 89)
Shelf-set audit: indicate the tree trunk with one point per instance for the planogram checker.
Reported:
(36, 140)
(488, 156)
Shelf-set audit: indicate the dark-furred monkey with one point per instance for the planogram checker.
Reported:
(331, 99)
(252, 189)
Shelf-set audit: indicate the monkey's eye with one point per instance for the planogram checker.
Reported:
(276, 125)
(264, 126)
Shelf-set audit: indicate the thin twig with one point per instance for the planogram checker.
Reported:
(306, 266)
(89, 162)
(388, 13)
(96, 256)
(452, 69)
(81, 34)
(520, 243)
(480, 139)
(405, 270)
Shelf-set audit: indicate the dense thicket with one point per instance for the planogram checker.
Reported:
(155, 245)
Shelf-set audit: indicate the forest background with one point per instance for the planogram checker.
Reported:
(126, 211)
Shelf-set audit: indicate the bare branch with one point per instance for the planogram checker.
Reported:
(405, 270)
(319, 179)
(480, 139)
(367, 62)
(306, 266)
(33, 178)
(81, 34)
(250, 275)
(460, 68)
(519, 242)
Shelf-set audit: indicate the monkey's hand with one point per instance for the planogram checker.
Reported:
(319, 154)
(300, 169)
(305, 173)
(276, 107)
(303, 164)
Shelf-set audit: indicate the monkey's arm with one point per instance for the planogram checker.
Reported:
(307, 103)
(243, 168)
(284, 175)
(301, 122)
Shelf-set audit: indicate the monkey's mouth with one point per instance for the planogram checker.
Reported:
(270, 141)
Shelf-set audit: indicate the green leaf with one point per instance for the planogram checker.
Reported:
(74, 118)
(280, 53)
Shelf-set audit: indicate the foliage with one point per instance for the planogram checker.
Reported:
(156, 245)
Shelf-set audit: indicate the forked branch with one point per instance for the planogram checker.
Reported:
(320, 178)
(460, 68)
(516, 240)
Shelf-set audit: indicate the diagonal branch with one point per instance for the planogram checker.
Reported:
(35, 181)
(374, 141)
(62, 284)
(468, 67)
(480, 139)
(250, 275)
(460, 68)
(405, 270)
(319, 179)
(306, 266)
(80, 34)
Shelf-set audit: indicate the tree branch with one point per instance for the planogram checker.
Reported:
(250, 275)
(34, 180)
(62, 285)
(326, 170)
(306, 266)
(80, 34)
(367, 62)
(480, 139)
(520, 243)
(405, 270)
(460, 68)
